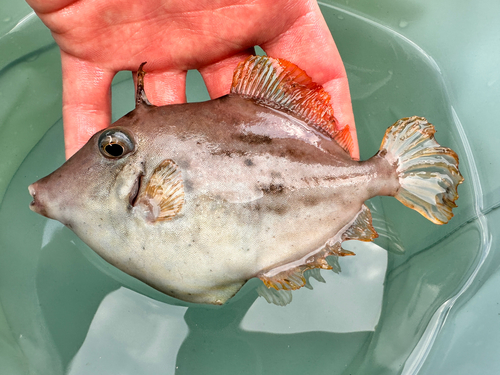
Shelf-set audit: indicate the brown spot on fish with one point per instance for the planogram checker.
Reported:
(292, 153)
(254, 139)
(228, 153)
(255, 206)
(183, 163)
(188, 185)
(248, 162)
(276, 208)
(311, 201)
(279, 209)
(273, 189)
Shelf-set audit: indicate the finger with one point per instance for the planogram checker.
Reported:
(48, 6)
(309, 45)
(86, 101)
(218, 76)
(164, 88)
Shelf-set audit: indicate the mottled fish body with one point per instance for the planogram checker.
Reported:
(195, 199)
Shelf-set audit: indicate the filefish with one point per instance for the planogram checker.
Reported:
(195, 199)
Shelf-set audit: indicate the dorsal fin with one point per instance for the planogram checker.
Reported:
(140, 95)
(280, 84)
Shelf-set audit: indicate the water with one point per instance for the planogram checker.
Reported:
(64, 310)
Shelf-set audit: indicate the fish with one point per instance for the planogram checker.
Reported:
(195, 199)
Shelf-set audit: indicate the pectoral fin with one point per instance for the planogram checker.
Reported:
(163, 197)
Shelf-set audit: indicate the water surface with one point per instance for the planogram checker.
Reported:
(68, 311)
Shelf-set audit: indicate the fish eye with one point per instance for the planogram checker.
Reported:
(114, 143)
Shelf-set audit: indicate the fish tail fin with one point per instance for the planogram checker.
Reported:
(428, 173)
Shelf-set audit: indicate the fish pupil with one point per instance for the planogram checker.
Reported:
(114, 149)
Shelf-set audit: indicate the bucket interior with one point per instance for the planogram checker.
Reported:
(65, 310)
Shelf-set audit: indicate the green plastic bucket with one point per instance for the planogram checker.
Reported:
(423, 299)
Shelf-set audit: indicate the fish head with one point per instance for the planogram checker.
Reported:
(99, 183)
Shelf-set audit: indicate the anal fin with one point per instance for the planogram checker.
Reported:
(278, 297)
(291, 276)
(361, 228)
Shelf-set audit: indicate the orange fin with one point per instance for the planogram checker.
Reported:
(163, 197)
(315, 274)
(361, 229)
(283, 297)
(280, 84)
(344, 139)
(291, 276)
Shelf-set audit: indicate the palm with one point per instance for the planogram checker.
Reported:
(178, 37)
(101, 37)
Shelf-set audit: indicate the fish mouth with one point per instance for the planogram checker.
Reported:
(36, 205)
(32, 192)
(134, 192)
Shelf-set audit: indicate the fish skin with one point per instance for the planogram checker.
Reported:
(262, 188)
(202, 197)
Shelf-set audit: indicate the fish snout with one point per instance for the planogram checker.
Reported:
(36, 204)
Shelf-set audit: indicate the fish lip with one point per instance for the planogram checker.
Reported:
(32, 192)
(35, 204)
(134, 192)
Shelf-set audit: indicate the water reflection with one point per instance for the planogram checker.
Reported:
(131, 334)
(358, 289)
(217, 344)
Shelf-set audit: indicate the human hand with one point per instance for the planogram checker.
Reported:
(98, 38)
